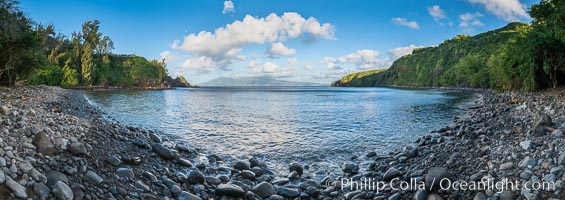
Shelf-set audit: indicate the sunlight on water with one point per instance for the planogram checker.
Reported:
(320, 126)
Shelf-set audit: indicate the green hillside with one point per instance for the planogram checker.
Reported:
(516, 56)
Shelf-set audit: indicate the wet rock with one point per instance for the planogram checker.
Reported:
(77, 148)
(557, 133)
(62, 191)
(371, 154)
(125, 172)
(349, 168)
(25, 167)
(114, 160)
(213, 180)
(3, 162)
(140, 185)
(434, 177)
(506, 166)
(162, 151)
(41, 191)
(195, 177)
(78, 191)
(43, 144)
(391, 173)
(480, 196)
(242, 165)
(230, 190)
(55, 176)
(16, 188)
(246, 174)
(421, 195)
(296, 167)
(435, 197)
(526, 145)
(2, 177)
(288, 192)
(4, 110)
(188, 196)
(184, 162)
(264, 189)
(93, 178)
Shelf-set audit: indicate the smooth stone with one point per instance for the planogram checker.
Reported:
(78, 192)
(435, 175)
(526, 144)
(150, 176)
(163, 151)
(480, 196)
(4, 110)
(395, 196)
(421, 195)
(349, 168)
(296, 167)
(17, 189)
(184, 162)
(114, 160)
(506, 195)
(93, 178)
(55, 176)
(77, 148)
(561, 159)
(557, 133)
(230, 190)
(2, 162)
(390, 174)
(26, 167)
(505, 166)
(213, 180)
(288, 192)
(187, 196)
(62, 191)
(526, 175)
(140, 185)
(125, 172)
(195, 177)
(435, 197)
(242, 165)
(43, 144)
(371, 154)
(246, 174)
(275, 197)
(41, 190)
(2, 177)
(527, 162)
(264, 189)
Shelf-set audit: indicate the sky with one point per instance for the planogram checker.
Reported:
(312, 41)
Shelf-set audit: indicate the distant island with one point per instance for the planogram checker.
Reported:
(255, 81)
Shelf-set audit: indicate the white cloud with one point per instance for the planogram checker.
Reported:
(279, 49)
(468, 21)
(396, 53)
(405, 22)
(222, 46)
(361, 59)
(269, 69)
(436, 12)
(367, 59)
(508, 10)
(170, 57)
(228, 7)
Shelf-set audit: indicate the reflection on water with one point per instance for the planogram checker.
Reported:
(313, 125)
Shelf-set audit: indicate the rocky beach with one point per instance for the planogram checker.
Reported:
(55, 145)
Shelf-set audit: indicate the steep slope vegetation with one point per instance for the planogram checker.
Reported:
(496, 59)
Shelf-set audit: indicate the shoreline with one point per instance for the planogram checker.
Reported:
(106, 159)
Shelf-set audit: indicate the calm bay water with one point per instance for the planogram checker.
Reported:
(319, 126)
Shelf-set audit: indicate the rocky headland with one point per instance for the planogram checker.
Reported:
(55, 145)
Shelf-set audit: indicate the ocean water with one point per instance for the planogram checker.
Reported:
(318, 126)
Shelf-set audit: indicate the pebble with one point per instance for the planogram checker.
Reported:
(114, 160)
(264, 189)
(242, 165)
(43, 144)
(162, 151)
(288, 192)
(230, 190)
(188, 196)
(125, 172)
(391, 173)
(195, 177)
(17, 189)
(93, 178)
(62, 191)
(526, 144)
(434, 177)
(349, 168)
(78, 148)
(40, 190)
(296, 167)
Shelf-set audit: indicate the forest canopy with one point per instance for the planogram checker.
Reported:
(36, 54)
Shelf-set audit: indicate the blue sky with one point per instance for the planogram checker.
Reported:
(315, 40)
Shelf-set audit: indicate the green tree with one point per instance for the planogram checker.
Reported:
(70, 75)
(19, 44)
(87, 65)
